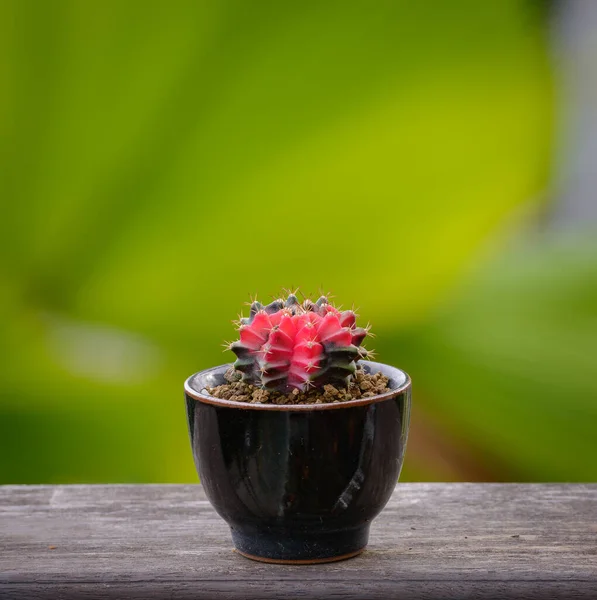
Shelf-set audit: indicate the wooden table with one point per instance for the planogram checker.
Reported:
(431, 541)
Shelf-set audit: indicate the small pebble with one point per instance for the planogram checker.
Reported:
(364, 385)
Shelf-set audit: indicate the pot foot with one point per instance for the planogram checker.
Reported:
(305, 561)
(300, 548)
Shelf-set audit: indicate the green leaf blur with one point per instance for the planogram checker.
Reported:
(163, 160)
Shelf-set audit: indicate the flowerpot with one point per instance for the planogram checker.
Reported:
(299, 483)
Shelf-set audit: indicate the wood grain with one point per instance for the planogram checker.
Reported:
(431, 541)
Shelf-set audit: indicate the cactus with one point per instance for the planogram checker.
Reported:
(292, 345)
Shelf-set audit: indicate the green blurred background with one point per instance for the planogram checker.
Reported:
(160, 161)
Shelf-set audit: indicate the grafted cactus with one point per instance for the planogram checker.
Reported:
(291, 345)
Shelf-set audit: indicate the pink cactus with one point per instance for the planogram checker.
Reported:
(287, 345)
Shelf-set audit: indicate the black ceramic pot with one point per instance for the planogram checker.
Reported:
(299, 483)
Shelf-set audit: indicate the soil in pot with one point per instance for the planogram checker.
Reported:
(363, 385)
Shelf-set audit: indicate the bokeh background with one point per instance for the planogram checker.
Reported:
(432, 162)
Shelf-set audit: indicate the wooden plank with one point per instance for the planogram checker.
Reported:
(431, 541)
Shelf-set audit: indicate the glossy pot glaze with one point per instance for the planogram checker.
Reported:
(299, 483)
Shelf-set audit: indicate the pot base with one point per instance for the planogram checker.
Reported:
(300, 547)
(304, 561)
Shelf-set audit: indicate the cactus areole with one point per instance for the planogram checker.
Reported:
(288, 345)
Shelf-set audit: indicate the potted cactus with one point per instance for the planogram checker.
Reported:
(300, 442)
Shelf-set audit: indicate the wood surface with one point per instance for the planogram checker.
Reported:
(431, 541)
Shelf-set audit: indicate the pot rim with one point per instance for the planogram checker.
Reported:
(207, 399)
